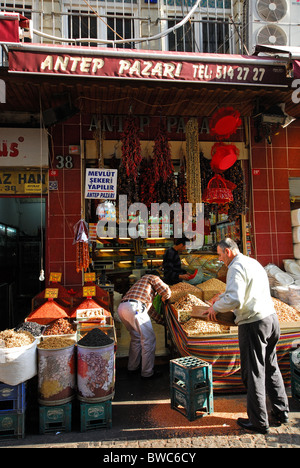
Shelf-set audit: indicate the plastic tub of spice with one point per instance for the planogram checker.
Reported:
(56, 371)
(95, 367)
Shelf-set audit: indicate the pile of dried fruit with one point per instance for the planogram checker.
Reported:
(60, 327)
(15, 339)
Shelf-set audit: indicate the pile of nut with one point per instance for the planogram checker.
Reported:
(182, 289)
(15, 339)
(60, 326)
(211, 287)
(196, 327)
(285, 312)
(185, 305)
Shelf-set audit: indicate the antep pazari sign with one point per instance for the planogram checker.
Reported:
(238, 72)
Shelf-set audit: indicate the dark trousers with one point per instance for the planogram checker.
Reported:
(260, 372)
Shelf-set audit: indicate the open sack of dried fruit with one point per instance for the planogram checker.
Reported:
(18, 361)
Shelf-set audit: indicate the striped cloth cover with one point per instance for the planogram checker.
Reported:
(222, 351)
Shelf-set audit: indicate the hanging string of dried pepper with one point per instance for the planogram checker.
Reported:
(131, 147)
(146, 183)
(181, 183)
(162, 161)
(81, 238)
(163, 169)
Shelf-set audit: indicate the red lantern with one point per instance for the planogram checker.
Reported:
(223, 156)
(218, 191)
(225, 122)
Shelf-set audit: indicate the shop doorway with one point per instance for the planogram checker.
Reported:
(22, 221)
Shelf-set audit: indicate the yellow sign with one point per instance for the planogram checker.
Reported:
(89, 291)
(51, 293)
(55, 277)
(22, 181)
(89, 277)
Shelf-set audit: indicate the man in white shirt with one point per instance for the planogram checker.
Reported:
(248, 296)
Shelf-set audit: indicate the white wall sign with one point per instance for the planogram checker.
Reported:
(101, 183)
(23, 147)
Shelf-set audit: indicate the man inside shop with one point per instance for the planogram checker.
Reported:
(173, 272)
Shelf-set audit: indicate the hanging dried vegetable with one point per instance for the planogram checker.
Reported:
(193, 173)
(146, 183)
(127, 186)
(131, 148)
(81, 239)
(163, 169)
(162, 162)
(181, 184)
(238, 206)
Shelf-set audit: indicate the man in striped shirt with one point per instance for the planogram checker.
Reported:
(133, 312)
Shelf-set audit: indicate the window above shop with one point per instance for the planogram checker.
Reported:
(213, 27)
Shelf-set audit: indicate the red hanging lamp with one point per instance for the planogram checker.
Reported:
(224, 122)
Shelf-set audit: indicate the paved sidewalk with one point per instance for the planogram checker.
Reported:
(142, 418)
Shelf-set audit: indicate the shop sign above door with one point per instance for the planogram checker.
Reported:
(239, 72)
(23, 182)
(23, 147)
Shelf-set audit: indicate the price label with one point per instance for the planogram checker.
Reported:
(89, 277)
(55, 277)
(51, 293)
(89, 291)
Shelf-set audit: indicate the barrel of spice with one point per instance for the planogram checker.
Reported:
(95, 367)
(56, 371)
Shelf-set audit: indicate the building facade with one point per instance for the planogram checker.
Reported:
(79, 69)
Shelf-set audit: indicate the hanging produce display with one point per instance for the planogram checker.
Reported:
(131, 148)
(146, 183)
(224, 122)
(193, 173)
(81, 239)
(128, 172)
(163, 169)
(181, 183)
(223, 156)
(162, 161)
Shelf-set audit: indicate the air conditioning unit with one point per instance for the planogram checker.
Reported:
(274, 23)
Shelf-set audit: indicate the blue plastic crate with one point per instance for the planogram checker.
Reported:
(95, 415)
(12, 397)
(194, 404)
(12, 424)
(191, 373)
(55, 418)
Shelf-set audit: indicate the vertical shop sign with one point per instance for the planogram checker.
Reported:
(101, 183)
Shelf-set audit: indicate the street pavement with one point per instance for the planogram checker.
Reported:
(142, 418)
